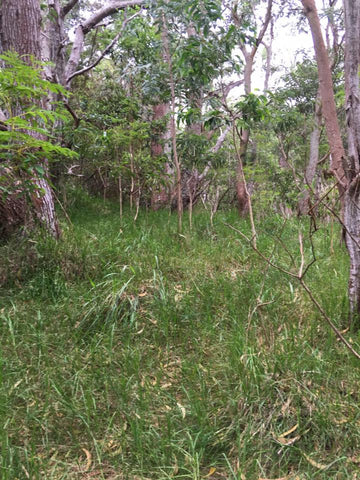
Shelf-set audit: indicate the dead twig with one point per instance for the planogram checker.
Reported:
(300, 277)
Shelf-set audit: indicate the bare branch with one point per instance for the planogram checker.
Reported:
(72, 113)
(105, 51)
(224, 90)
(250, 241)
(109, 9)
(300, 278)
(301, 255)
(68, 7)
(220, 140)
(328, 320)
(264, 27)
(82, 29)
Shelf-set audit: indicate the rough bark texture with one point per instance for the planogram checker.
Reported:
(20, 25)
(352, 195)
(53, 42)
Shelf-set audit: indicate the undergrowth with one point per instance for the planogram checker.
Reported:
(131, 352)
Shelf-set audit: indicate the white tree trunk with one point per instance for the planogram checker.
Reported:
(352, 195)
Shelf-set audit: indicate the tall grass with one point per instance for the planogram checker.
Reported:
(130, 352)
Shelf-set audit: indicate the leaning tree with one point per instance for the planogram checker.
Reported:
(344, 165)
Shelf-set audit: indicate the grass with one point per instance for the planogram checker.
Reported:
(130, 352)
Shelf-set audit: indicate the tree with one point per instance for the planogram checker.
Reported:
(346, 168)
(249, 57)
(20, 32)
(37, 32)
(352, 165)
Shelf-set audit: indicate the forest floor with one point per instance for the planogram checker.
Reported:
(131, 352)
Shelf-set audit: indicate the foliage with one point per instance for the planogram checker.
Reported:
(126, 348)
(26, 136)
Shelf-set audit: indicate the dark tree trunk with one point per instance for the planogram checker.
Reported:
(20, 27)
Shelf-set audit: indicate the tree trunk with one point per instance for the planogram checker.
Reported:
(20, 24)
(352, 194)
(304, 202)
(160, 195)
(327, 97)
(241, 187)
(249, 56)
(346, 170)
(172, 123)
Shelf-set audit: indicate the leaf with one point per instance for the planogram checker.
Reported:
(287, 441)
(285, 434)
(211, 472)
(355, 459)
(315, 464)
(88, 459)
(279, 478)
(182, 409)
(285, 407)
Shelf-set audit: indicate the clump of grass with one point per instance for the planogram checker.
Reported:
(131, 352)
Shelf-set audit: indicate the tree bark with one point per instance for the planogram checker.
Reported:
(346, 170)
(177, 165)
(310, 172)
(160, 195)
(85, 27)
(20, 27)
(352, 194)
(327, 97)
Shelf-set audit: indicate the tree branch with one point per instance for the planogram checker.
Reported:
(300, 277)
(82, 29)
(68, 7)
(112, 7)
(105, 51)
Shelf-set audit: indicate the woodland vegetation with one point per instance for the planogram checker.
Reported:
(179, 245)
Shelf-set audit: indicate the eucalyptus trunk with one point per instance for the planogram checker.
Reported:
(346, 169)
(352, 194)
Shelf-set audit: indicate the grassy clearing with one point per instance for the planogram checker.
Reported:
(130, 352)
